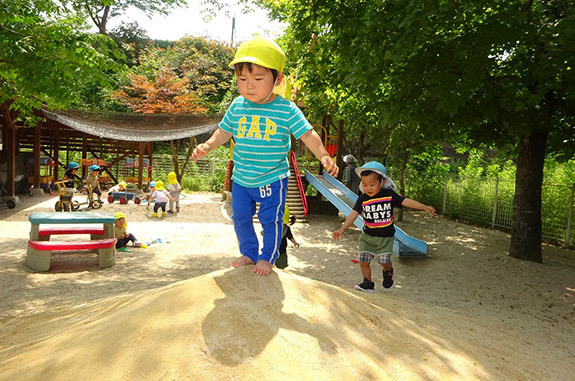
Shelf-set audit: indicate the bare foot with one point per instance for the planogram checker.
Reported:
(242, 261)
(263, 268)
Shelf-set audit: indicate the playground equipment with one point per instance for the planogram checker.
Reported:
(123, 197)
(343, 199)
(64, 203)
(93, 202)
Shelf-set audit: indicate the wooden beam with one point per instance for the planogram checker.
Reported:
(36, 154)
(338, 155)
(10, 149)
(141, 148)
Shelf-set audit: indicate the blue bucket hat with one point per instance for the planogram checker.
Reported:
(73, 165)
(373, 166)
(94, 167)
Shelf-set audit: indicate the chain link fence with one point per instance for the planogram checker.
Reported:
(489, 202)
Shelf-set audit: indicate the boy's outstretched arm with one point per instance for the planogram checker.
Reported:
(409, 203)
(346, 224)
(314, 143)
(218, 138)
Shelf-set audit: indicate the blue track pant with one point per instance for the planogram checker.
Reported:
(272, 203)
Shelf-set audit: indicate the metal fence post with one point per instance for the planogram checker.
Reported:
(495, 202)
(570, 216)
(445, 194)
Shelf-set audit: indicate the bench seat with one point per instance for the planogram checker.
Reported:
(72, 245)
(40, 252)
(46, 232)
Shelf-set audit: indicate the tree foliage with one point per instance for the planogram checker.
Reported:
(45, 56)
(100, 11)
(202, 63)
(495, 72)
(165, 93)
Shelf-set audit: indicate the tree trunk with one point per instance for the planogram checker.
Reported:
(403, 169)
(526, 224)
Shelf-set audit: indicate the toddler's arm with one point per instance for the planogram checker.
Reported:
(418, 205)
(346, 224)
(314, 143)
(218, 138)
(294, 242)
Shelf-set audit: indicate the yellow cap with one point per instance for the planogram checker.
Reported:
(160, 185)
(260, 51)
(119, 215)
(172, 179)
(123, 184)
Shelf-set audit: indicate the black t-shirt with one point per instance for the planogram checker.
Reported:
(377, 212)
(70, 176)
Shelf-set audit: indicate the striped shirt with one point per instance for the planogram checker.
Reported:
(262, 138)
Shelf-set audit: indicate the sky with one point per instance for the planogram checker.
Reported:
(189, 21)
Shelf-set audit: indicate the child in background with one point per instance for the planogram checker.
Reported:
(152, 189)
(120, 187)
(121, 234)
(261, 122)
(282, 261)
(376, 207)
(92, 180)
(162, 196)
(175, 189)
(70, 174)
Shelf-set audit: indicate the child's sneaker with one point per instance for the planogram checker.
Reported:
(155, 215)
(388, 281)
(163, 214)
(170, 211)
(365, 286)
(178, 209)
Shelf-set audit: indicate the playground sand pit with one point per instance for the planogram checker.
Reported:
(177, 311)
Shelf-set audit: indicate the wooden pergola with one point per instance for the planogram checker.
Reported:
(54, 135)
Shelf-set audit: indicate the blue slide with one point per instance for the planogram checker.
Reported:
(343, 199)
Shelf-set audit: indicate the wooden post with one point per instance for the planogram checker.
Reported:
(36, 152)
(141, 149)
(10, 148)
(338, 156)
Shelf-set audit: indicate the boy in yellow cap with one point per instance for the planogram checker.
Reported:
(261, 123)
(174, 188)
(121, 234)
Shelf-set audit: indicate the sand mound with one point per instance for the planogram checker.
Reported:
(231, 324)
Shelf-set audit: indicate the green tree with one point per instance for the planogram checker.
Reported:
(498, 72)
(202, 62)
(100, 11)
(45, 56)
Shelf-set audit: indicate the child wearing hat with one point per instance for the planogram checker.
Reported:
(162, 196)
(92, 180)
(376, 207)
(120, 187)
(174, 188)
(121, 234)
(70, 174)
(261, 122)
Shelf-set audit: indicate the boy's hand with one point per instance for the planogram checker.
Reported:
(337, 234)
(430, 209)
(329, 165)
(201, 150)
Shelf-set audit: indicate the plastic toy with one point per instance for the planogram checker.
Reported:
(123, 197)
(94, 203)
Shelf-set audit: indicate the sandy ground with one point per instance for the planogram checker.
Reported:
(177, 311)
